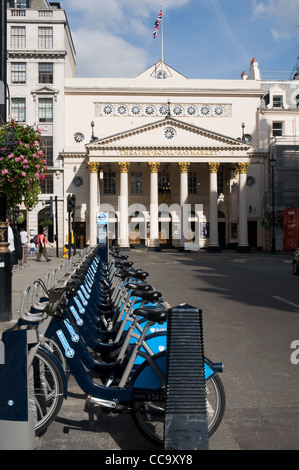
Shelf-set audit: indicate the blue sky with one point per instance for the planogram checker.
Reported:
(202, 38)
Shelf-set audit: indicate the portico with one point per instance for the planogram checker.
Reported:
(206, 153)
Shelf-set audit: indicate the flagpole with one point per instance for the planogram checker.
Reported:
(162, 42)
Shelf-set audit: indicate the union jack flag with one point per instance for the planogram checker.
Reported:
(157, 24)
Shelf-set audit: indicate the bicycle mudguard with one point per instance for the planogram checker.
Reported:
(146, 377)
(48, 351)
(155, 341)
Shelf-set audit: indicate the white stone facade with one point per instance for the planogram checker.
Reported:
(181, 127)
(26, 51)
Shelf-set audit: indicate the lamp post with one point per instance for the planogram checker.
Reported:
(272, 163)
(3, 59)
(5, 255)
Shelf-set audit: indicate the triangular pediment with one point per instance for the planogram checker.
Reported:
(167, 133)
(159, 70)
(45, 90)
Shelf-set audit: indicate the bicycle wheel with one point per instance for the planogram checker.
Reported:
(149, 416)
(46, 390)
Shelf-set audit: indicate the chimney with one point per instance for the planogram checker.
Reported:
(254, 71)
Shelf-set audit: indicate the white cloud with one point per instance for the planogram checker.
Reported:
(104, 55)
(111, 36)
(282, 14)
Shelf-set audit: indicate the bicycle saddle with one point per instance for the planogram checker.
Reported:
(156, 315)
(151, 296)
(138, 273)
(139, 285)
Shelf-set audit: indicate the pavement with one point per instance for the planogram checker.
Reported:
(26, 275)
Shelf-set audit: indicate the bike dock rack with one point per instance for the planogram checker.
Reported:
(186, 425)
(16, 418)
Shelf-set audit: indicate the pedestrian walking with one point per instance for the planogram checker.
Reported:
(32, 248)
(42, 246)
(24, 240)
(11, 246)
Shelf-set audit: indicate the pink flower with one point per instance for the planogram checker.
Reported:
(27, 146)
(24, 173)
(36, 175)
(10, 155)
(25, 160)
(36, 143)
(17, 159)
(42, 177)
(4, 172)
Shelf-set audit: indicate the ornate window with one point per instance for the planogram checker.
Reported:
(18, 109)
(109, 182)
(205, 110)
(169, 133)
(45, 110)
(191, 110)
(107, 109)
(45, 72)
(78, 137)
(45, 37)
(163, 109)
(135, 110)
(192, 182)
(150, 110)
(136, 182)
(177, 110)
(122, 110)
(219, 111)
(18, 37)
(48, 149)
(47, 185)
(18, 72)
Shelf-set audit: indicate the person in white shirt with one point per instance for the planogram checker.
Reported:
(24, 236)
(24, 241)
(11, 241)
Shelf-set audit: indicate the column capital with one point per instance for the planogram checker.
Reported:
(93, 167)
(184, 167)
(242, 167)
(123, 167)
(154, 167)
(213, 167)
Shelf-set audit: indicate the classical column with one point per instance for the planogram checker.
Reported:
(184, 168)
(93, 201)
(154, 215)
(243, 221)
(214, 243)
(123, 204)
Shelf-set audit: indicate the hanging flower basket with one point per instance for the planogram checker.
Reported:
(22, 164)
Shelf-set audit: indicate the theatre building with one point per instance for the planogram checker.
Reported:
(142, 149)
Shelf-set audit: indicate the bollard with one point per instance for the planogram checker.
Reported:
(16, 419)
(186, 426)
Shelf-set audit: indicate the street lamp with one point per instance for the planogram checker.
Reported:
(272, 163)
